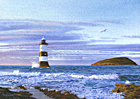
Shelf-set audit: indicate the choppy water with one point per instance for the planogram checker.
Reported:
(91, 82)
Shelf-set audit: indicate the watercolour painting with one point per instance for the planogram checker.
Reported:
(70, 36)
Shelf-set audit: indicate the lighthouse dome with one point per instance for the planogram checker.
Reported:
(43, 38)
(43, 41)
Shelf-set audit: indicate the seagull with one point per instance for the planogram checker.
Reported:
(103, 30)
(127, 82)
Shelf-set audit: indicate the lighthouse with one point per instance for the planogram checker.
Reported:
(43, 55)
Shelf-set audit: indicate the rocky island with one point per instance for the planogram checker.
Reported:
(116, 61)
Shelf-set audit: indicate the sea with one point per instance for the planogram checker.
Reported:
(90, 82)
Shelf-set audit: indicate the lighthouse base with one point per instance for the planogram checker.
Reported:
(44, 65)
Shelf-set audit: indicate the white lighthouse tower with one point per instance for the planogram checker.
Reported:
(43, 55)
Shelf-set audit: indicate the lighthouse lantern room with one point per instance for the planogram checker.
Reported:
(43, 55)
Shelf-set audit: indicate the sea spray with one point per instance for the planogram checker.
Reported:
(35, 65)
(15, 71)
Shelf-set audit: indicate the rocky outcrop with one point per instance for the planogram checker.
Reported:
(116, 61)
(58, 94)
(5, 93)
(130, 91)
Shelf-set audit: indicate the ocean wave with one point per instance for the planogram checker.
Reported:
(62, 75)
(109, 76)
(18, 73)
(79, 84)
(129, 77)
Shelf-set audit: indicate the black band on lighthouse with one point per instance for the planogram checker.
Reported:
(43, 54)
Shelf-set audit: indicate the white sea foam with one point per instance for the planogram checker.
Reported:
(35, 65)
(127, 82)
(52, 80)
(79, 87)
(109, 76)
(18, 73)
(15, 71)
(77, 76)
(73, 82)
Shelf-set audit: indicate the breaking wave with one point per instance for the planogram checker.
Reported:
(35, 65)
(110, 76)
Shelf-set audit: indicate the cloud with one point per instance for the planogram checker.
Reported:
(114, 22)
(134, 36)
(11, 37)
(31, 30)
(35, 25)
(86, 23)
(109, 38)
(3, 44)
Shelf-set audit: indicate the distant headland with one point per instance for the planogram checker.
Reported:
(116, 61)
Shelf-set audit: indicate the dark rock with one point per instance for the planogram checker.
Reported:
(5, 93)
(21, 87)
(58, 94)
(131, 91)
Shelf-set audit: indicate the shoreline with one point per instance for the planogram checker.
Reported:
(5, 93)
(35, 93)
(23, 93)
(58, 94)
(130, 91)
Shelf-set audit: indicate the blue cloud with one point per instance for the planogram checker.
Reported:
(114, 22)
(133, 36)
(6, 25)
(88, 23)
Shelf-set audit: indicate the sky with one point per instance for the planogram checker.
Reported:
(79, 32)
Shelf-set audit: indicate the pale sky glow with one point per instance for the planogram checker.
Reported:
(72, 28)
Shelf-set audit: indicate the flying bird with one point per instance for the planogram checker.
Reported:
(103, 30)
